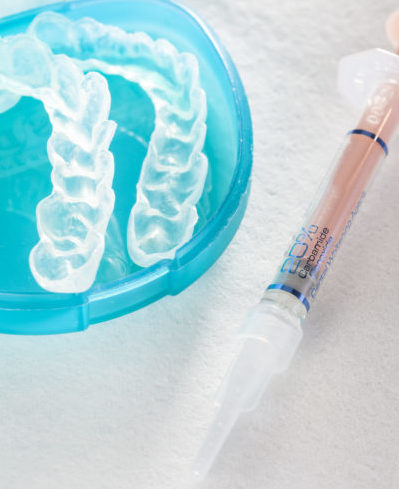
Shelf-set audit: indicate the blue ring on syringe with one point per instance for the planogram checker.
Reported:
(371, 135)
(292, 291)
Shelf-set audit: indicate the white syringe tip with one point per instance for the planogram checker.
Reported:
(270, 337)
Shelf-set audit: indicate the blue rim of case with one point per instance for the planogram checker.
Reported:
(48, 313)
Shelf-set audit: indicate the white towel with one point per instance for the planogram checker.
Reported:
(126, 404)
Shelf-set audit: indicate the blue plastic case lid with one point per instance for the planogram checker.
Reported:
(27, 309)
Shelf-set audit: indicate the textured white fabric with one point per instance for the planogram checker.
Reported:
(127, 403)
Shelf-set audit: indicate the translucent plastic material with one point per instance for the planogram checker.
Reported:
(360, 74)
(272, 331)
(174, 170)
(72, 220)
(120, 285)
(269, 340)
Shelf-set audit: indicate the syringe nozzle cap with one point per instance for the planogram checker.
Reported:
(270, 337)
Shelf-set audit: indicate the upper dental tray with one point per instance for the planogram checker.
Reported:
(121, 285)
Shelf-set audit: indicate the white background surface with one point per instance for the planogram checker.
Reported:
(127, 403)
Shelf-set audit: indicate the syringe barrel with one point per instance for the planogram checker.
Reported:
(315, 244)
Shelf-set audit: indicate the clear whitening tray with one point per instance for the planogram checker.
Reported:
(183, 131)
(174, 169)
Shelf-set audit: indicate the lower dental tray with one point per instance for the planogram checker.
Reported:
(25, 177)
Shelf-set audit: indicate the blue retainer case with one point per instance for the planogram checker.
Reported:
(121, 286)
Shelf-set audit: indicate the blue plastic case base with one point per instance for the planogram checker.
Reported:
(25, 176)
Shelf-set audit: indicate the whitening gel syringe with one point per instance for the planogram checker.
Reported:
(272, 330)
